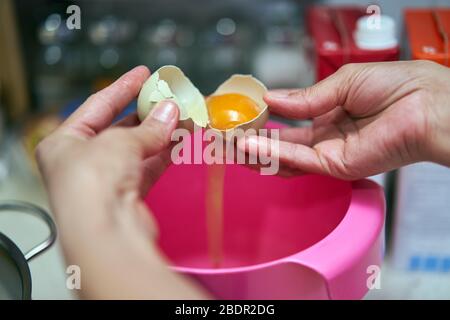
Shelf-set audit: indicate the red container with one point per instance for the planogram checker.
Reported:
(428, 33)
(332, 30)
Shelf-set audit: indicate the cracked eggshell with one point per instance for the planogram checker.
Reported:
(252, 88)
(170, 83)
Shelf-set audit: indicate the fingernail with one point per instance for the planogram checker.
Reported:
(252, 142)
(253, 145)
(164, 111)
(241, 144)
(278, 94)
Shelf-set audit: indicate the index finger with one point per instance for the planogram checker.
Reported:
(311, 102)
(100, 109)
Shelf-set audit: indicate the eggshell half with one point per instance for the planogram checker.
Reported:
(170, 83)
(252, 88)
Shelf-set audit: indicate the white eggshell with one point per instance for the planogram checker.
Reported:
(170, 83)
(252, 88)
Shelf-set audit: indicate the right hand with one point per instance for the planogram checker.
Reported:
(367, 119)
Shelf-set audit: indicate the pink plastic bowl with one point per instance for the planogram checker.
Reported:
(310, 237)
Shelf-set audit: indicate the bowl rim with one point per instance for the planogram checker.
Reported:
(359, 190)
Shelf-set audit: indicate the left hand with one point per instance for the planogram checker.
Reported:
(96, 174)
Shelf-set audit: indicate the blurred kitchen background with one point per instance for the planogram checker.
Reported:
(47, 70)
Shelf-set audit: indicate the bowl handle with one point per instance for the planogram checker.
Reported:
(28, 208)
(347, 257)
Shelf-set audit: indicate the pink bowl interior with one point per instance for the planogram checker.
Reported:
(265, 217)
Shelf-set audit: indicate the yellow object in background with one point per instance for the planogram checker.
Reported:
(13, 84)
(34, 131)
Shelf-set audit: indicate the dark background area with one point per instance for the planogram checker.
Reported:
(209, 40)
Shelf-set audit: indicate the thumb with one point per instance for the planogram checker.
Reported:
(313, 101)
(154, 133)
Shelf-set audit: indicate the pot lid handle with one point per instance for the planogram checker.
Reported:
(38, 212)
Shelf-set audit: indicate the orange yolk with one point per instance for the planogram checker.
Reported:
(229, 110)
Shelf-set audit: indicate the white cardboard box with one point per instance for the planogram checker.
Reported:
(421, 230)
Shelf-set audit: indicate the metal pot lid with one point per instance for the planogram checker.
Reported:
(15, 276)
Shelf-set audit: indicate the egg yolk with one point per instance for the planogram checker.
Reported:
(227, 111)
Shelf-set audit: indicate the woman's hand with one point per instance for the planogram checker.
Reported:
(367, 119)
(96, 174)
